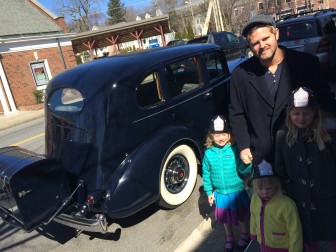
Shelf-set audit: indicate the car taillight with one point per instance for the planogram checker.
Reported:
(94, 197)
(323, 46)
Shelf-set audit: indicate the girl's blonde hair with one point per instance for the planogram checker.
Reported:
(268, 181)
(209, 139)
(321, 135)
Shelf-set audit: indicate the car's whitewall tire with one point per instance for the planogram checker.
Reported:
(178, 176)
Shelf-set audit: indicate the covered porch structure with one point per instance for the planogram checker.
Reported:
(120, 33)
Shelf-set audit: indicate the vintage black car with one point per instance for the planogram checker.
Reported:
(122, 132)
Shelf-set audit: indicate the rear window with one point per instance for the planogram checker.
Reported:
(220, 39)
(301, 30)
(66, 100)
(198, 40)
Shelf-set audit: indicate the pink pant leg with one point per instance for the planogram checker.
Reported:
(312, 248)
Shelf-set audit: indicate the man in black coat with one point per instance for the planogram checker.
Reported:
(260, 89)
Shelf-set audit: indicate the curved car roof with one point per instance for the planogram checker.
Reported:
(123, 68)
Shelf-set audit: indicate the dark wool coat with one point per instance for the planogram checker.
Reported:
(312, 183)
(254, 115)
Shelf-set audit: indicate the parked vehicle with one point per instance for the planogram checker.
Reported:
(176, 42)
(232, 45)
(153, 43)
(312, 32)
(121, 133)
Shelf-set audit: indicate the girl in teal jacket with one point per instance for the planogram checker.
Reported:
(223, 185)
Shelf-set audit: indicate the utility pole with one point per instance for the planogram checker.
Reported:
(220, 15)
(207, 19)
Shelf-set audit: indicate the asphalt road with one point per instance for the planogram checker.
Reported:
(152, 229)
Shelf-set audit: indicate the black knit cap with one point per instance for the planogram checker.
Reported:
(261, 19)
(219, 124)
(302, 97)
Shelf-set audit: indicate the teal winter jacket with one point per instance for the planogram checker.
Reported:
(220, 168)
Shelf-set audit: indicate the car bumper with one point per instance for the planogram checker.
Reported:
(97, 224)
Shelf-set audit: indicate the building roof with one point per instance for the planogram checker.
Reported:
(19, 18)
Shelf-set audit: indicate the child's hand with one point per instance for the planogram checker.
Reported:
(211, 199)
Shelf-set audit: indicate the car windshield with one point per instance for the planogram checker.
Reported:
(300, 30)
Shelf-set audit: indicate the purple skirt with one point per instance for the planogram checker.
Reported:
(233, 207)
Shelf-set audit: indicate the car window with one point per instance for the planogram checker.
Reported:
(220, 39)
(183, 76)
(330, 27)
(299, 30)
(214, 65)
(232, 38)
(149, 93)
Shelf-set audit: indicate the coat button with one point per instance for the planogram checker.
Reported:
(304, 204)
(312, 183)
(303, 181)
(300, 159)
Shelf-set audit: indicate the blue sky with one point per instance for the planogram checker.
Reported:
(102, 4)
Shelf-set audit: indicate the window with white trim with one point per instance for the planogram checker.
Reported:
(40, 72)
(260, 6)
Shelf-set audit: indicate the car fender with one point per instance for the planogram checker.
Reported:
(232, 64)
(136, 182)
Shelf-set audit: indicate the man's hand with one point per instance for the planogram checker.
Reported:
(211, 199)
(246, 156)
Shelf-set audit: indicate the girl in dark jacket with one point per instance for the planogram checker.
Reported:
(306, 160)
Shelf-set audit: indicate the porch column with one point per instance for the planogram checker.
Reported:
(137, 36)
(8, 93)
(89, 45)
(114, 43)
(162, 34)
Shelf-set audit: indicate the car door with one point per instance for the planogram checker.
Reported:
(191, 93)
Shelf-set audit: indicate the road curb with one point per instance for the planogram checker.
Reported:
(18, 118)
(195, 239)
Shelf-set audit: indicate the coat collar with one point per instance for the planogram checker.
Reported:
(257, 80)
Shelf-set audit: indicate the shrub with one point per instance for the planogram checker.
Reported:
(39, 95)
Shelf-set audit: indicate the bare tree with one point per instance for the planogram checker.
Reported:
(78, 11)
(227, 7)
(131, 14)
(178, 22)
(165, 5)
(244, 9)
